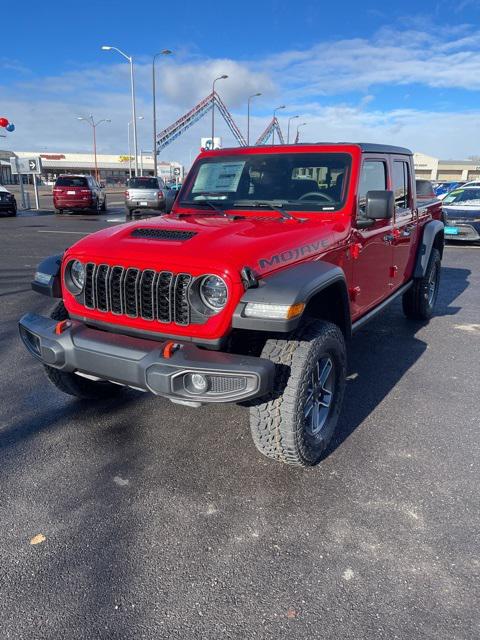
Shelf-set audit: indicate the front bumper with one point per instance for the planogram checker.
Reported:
(141, 363)
(7, 206)
(465, 230)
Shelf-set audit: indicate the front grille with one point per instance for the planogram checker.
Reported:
(148, 294)
(162, 234)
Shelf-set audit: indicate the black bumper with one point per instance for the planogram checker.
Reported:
(466, 230)
(141, 363)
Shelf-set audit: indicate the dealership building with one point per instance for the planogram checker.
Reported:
(431, 168)
(112, 169)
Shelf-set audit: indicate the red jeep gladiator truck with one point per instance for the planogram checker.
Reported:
(247, 292)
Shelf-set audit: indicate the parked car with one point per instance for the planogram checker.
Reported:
(249, 291)
(8, 204)
(442, 188)
(147, 193)
(78, 193)
(461, 209)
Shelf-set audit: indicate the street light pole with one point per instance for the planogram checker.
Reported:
(298, 127)
(288, 128)
(224, 77)
(164, 52)
(130, 147)
(274, 116)
(94, 126)
(132, 87)
(255, 95)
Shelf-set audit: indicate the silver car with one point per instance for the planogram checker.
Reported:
(147, 193)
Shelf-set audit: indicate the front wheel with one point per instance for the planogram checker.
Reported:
(71, 383)
(297, 422)
(419, 301)
(104, 204)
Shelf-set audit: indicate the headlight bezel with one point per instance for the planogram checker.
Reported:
(74, 285)
(200, 302)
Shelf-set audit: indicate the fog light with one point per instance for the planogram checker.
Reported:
(199, 382)
(196, 383)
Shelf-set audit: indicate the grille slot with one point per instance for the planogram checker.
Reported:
(151, 295)
(164, 296)
(101, 292)
(89, 289)
(180, 298)
(130, 293)
(147, 297)
(116, 286)
(162, 234)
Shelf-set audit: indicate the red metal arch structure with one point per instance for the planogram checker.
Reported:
(175, 130)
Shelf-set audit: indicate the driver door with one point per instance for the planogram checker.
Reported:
(371, 248)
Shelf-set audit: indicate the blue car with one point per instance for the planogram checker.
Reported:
(461, 210)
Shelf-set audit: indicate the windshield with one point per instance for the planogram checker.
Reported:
(71, 182)
(462, 195)
(142, 183)
(293, 181)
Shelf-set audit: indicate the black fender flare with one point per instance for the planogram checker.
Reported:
(430, 232)
(296, 284)
(51, 266)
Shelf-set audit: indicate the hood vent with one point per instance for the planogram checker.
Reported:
(162, 234)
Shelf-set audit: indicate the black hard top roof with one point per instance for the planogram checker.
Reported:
(366, 147)
(372, 147)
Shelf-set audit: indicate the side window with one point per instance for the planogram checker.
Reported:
(401, 184)
(373, 177)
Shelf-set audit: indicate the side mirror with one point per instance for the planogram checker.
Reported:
(380, 205)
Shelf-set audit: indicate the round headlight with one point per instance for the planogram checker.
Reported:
(213, 292)
(77, 273)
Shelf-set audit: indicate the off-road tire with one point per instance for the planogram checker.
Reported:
(75, 385)
(278, 425)
(419, 301)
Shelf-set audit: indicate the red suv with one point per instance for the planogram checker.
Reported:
(78, 192)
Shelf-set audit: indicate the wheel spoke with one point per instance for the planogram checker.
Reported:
(316, 418)
(326, 399)
(327, 368)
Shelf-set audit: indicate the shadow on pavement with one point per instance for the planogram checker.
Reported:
(376, 365)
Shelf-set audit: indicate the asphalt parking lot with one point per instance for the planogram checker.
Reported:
(161, 521)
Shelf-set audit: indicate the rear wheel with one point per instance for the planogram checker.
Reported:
(419, 301)
(297, 422)
(59, 211)
(73, 384)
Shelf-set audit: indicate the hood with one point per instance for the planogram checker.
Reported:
(469, 210)
(206, 242)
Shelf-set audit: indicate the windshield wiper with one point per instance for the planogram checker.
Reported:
(203, 202)
(264, 203)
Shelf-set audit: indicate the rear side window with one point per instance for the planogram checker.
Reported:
(67, 181)
(401, 184)
(373, 177)
(424, 188)
(143, 183)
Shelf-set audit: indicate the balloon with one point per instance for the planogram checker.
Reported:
(10, 127)
(3, 122)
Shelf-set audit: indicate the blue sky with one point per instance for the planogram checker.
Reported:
(408, 75)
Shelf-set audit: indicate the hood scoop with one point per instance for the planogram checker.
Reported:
(162, 234)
